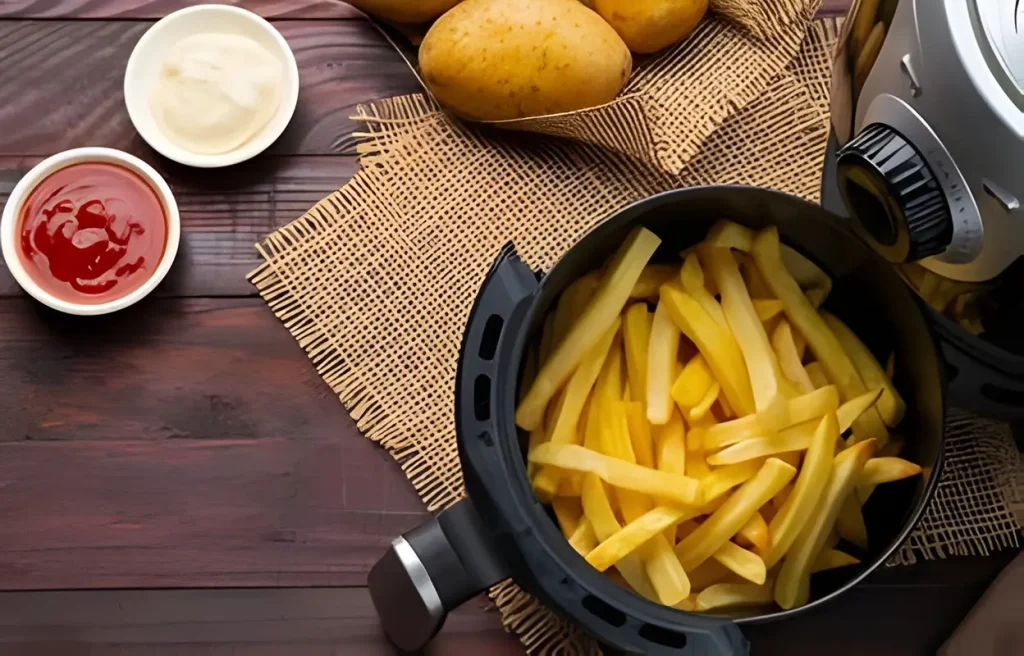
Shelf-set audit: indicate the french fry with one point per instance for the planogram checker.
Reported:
(662, 351)
(670, 445)
(608, 387)
(717, 345)
(832, 559)
(815, 283)
(710, 573)
(767, 308)
(762, 366)
(568, 512)
(577, 390)
(855, 407)
(635, 534)
(651, 279)
(755, 533)
(794, 438)
(640, 434)
(734, 513)
(598, 510)
(789, 358)
(696, 463)
(804, 317)
(802, 408)
(716, 483)
(670, 487)
(572, 303)
(792, 587)
(689, 604)
(754, 280)
(699, 411)
(569, 486)
(746, 564)
(735, 595)
(806, 492)
(611, 295)
(692, 383)
(850, 523)
(692, 276)
(729, 234)
(583, 539)
(780, 499)
(891, 405)
(636, 334)
(816, 373)
(883, 470)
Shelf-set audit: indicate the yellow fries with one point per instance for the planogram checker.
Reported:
(670, 487)
(716, 483)
(767, 308)
(632, 536)
(568, 512)
(699, 411)
(762, 367)
(789, 358)
(816, 373)
(820, 338)
(717, 345)
(670, 445)
(728, 234)
(598, 510)
(850, 523)
(692, 277)
(572, 303)
(651, 279)
(661, 358)
(744, 563)
(802, 408)
(891, 405)
(636, 334)
(583, 539)
(832, 559)
(693, 383)
(734, 513)
(885, 470)
(755, 533)
(622, 273)
(855, 407)
(793, 587)
(796, 438)
(710, 573)
(640, 434)
(734, 595)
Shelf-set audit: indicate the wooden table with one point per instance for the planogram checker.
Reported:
(177, 475)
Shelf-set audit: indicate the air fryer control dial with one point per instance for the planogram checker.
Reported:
(893, 194)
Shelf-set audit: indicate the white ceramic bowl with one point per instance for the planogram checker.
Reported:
(9, 226)
(144, 66)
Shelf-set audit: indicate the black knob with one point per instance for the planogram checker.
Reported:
(894, 196)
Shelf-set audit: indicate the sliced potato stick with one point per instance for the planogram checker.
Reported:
(806, 492)
(662, 351)
(794, 438)
(568, 512)
(755, 533)
(729, 234)
(767, 308)
(883, 470)
(755, 281)
(762, 366)
(608, 387)
(802, 408)
(793, 586)
(611, 295)
(583, 539)
(569, 485)
(699, 411)
(832, 559)
(850, 523)
(689, 604)
(855, 407)
(734, 513)
(640, 434)
(598, 510)
(716, 483)
(718, 346)
(780, 499)
(816, 373)
(636, 334)
(651, 279)
(746, 564)
(692, 383)
(576, 393)
(727, 412)
(670, 445)
(820, 338)
(572, 303)
(635, 534)
(815, 282)
(692, 277)
(710, 573)
(891, 405)
(735, 595)
(671, 487)
(789, 357)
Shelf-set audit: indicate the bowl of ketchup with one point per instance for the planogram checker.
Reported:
(90, 230)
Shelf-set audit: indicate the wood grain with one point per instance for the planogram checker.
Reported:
(222, 215)
(61, 85)
(155, 9)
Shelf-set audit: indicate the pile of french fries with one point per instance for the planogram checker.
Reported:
(696, 452)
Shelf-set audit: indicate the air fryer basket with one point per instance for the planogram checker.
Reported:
(523, 541)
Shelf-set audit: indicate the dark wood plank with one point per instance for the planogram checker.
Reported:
(182, 443)
(153, 9)
(61, 85)
(222, 215)
(298, 622)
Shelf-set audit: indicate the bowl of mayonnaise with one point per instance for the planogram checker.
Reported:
(211, 85)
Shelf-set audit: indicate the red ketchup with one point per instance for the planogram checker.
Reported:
(92, 232)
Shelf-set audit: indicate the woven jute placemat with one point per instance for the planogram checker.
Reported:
(376, 281)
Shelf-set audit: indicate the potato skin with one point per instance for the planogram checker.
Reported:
(650, 25)
(405, 11)
(492, 60)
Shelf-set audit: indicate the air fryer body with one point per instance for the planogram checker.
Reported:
(946, 80)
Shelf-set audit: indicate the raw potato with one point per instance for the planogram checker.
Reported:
(495, 60)
(405, 11)
(650, 25)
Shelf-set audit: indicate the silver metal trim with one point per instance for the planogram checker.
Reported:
(419, 577)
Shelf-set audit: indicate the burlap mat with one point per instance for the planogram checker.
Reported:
(376, 281)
